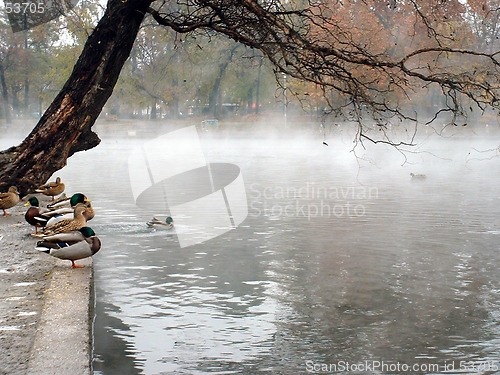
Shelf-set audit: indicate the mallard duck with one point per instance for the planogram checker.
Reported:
(66, 206)
(72, 246)
(89, 214)
(9, 199)
(52, 188)
(89, 210)
(78, 221)
(67, 202)
(62, 198)
(418, 176)
(34, 215)
(155, 223)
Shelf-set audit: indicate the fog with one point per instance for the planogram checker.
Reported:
(343, 257)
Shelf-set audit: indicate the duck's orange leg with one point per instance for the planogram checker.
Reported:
(75, 265)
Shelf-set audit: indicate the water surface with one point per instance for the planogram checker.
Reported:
(340, 259)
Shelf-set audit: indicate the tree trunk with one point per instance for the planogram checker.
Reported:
(250, 100)
(153, 114)
(257, 94)
(175, 99)
(214, 93)
(26, 79)
(16, 104)
(65, 127)
(26, 97)
(215, 96)
(5, 96)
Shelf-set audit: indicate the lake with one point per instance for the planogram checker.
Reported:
(344, 264)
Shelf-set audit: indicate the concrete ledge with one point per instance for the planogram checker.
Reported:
(63, 338)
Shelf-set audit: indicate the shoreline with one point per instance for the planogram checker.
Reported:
(46, 306)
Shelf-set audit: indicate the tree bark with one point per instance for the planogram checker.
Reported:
(65, 127)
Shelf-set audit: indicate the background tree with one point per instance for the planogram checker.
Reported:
(304, 39)
(204, 72)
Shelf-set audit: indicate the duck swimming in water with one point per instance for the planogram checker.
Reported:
(155, 223)
(418, 176)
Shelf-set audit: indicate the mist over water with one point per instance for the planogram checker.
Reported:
(342, 258)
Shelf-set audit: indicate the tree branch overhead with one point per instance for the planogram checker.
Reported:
(368, 58)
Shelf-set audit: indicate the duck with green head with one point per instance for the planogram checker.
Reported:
(34, 215)
(67, 213)
(72, 246)
(418, 176)
(66, 205)
(155, 223)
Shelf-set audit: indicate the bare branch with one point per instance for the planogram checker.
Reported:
(309, 43)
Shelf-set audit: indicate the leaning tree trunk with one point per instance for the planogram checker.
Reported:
(65, 127)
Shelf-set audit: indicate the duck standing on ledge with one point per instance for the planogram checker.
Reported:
(78, 221)
(52, 188)
(67, 213)
(34, 216)
(72, 246)
(155, 223)
(61, 198)
(9, 199)
(65, 202)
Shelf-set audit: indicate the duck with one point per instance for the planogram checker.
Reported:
(1, 237)
(64, 202)
(78, 221)
(89, 213)
(66, 206)
(418, 176)
(52, 188)
(62, 198)
(72, 246)
(34, 215)
(155, 223)
(9, 199)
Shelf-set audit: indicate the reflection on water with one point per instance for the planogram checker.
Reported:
(334, 263)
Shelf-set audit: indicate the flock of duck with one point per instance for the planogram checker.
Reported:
(64, 234)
